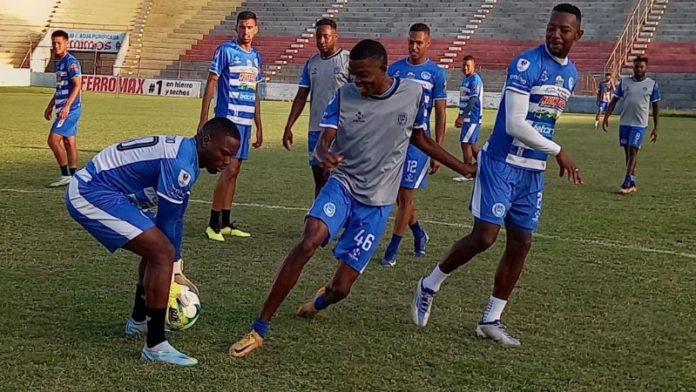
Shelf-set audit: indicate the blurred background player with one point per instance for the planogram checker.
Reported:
(369, 123)
(510, 177)
(418, 67)
(321, 76)
(62, 138)
(108, 195)
(235, 72)
(470, 112)
(604, 93)
(638, 93)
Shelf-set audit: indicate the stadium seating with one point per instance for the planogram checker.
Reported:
(170, 28)
(21, 26)
(95, 15)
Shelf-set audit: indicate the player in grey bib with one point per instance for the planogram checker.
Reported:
(370, 124)
(321, 76)
(638, 93)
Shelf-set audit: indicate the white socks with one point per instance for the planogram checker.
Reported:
(435, 279)
(494, 310)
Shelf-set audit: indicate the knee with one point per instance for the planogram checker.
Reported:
(52, 142)
(163, 256)
(484, 239)
(405, 198)
(337, 292)
(524, 244)
(309, 244)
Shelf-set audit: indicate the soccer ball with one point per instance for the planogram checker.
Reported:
(186, 313)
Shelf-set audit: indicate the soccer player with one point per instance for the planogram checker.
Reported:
(638, 93)
(510, 179)
(604, 92)
(62, 138)
(321, 76)
(235, 71)
(418, 67)
(370, 123)
(470, 112)
(106, 198)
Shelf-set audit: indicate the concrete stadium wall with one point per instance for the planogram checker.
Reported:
(16, 77)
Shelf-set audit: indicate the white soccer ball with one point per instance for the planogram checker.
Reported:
(187, 311)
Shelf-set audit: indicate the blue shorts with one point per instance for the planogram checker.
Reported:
(67, 127)
(362, 225)
(312, 140)
(602, 106)
(111, 217)
(631, 136)
(469, 133)
(416, 168)
(505, 194)
(244, 142)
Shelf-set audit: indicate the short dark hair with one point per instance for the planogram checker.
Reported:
(245, 15)
(419, 27)
(570, 9)
(221, 126)
(326, 22)
(608, 74)
(60, 33)
(369, 49)
(640, 59)
(468, 57)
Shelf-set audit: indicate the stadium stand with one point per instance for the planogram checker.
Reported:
(169, 29)
(21, 26)
(672, 55)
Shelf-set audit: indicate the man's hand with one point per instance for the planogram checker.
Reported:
(434, 166)
(459, 121)
(63, 114)
(331, 160)
(566, 165)
(48, 113)
(259, 138)
(287, 138)
(653, 135)
(605, 124)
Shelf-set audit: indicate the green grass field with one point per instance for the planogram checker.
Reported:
(606, 301)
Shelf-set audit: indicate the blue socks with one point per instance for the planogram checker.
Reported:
(260, 326)
(629, 180)
(417, 231)
(320, 303)
(393, 246)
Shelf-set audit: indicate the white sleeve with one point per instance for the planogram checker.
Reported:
(516, 125)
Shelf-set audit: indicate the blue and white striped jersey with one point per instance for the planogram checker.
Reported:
(67, 68)
(239, 73)
(146, 168)
(549, 83)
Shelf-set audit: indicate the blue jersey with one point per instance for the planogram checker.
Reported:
(67, 68)
(429, 75)
(145, 169)
(238, 73)
(472, 86)
(549, 83)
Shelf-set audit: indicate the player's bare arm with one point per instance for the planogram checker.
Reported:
(210, 87)
(298, 104)
(74, 92)
(656, 120)
(607, 114)
(436, 152)
(328, 158)
(257, 121)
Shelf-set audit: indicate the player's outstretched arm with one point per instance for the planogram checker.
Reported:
(210, 87)
(298, 105)
(436, 152)
(607, 114)
(329, 159)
